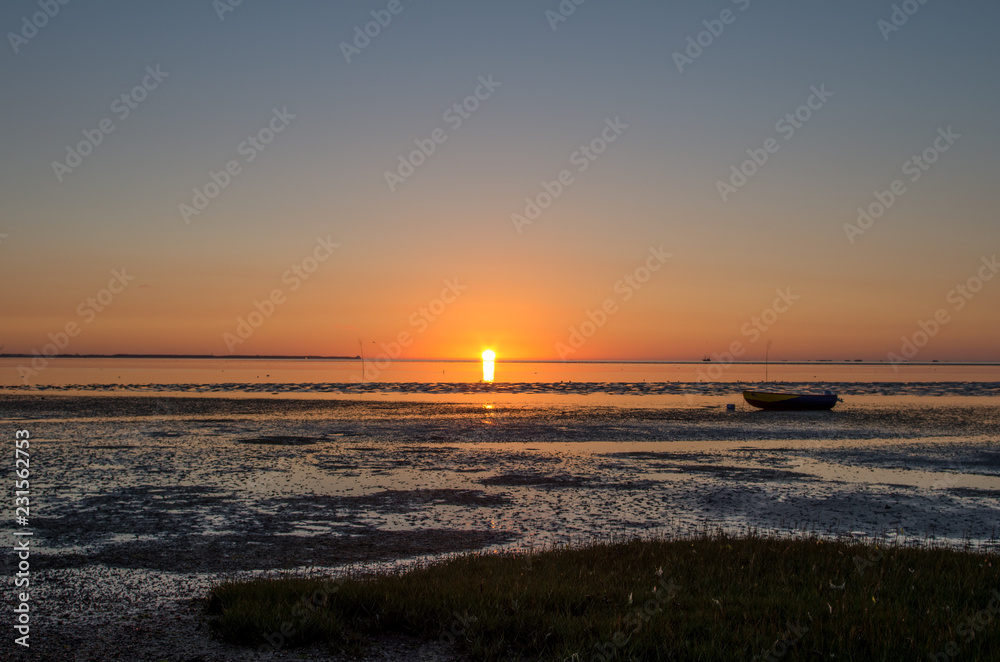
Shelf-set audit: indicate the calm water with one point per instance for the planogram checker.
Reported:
(626, 384)
(457, 377)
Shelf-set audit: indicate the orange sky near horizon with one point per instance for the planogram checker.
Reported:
(663, 319)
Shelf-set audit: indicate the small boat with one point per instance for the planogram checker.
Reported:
(790, 401)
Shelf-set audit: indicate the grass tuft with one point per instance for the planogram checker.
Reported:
(711, 597)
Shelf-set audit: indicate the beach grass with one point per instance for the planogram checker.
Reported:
(709, 597)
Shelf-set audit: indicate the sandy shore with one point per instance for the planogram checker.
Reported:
(140, 503)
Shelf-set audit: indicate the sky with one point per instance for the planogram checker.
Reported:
(603, 180)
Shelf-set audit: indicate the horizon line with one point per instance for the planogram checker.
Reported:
(320, 357)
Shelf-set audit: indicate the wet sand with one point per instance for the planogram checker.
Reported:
(139, 503)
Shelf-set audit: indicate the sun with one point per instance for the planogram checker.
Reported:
(489, 355)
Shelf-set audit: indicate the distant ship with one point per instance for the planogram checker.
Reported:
(790, 401)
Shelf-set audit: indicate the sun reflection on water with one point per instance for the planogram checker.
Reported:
(489, 356)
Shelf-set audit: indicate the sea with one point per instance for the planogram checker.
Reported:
(629, 383)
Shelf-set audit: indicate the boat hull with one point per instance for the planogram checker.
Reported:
(790, 401)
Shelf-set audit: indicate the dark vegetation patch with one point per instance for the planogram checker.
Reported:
(281, 440)
(657, 455)
(974, 493)
(561, 481)
(701, 598)
(541, 480)
(737, 473)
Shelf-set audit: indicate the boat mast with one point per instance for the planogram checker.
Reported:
(362, 347)
(767, 351)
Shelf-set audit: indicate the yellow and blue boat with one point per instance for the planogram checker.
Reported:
(791, 401)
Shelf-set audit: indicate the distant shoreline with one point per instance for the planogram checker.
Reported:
(241, 357)
(285, 357)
